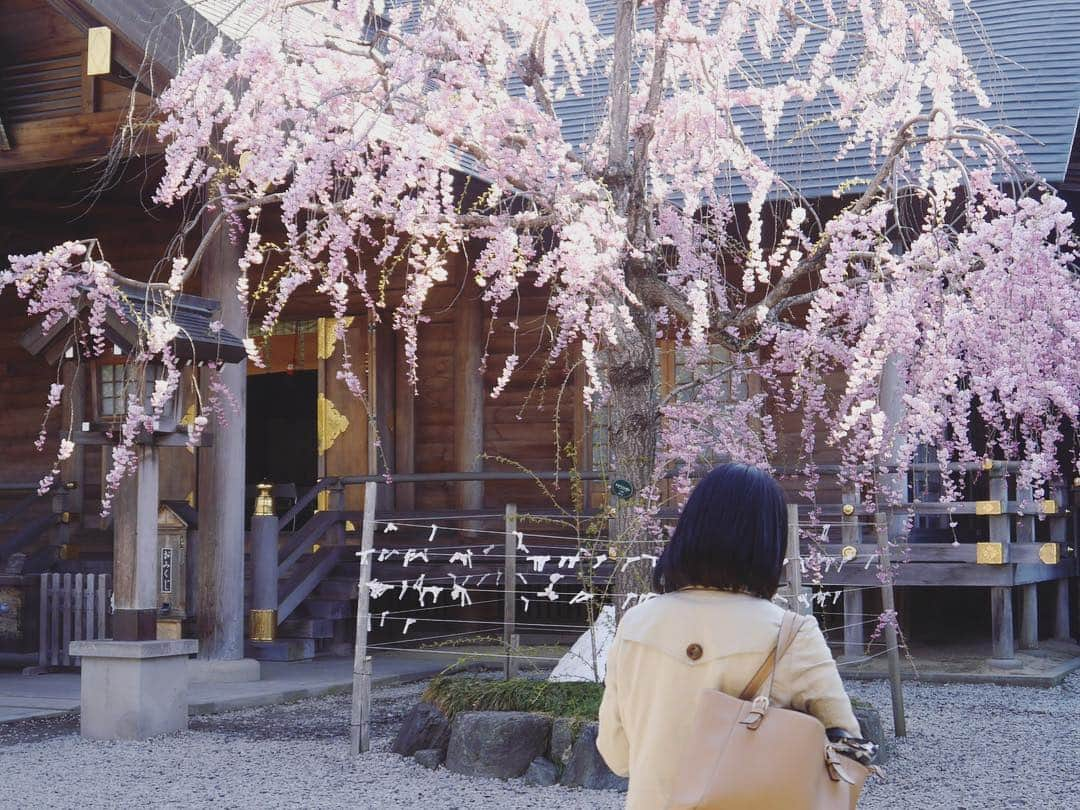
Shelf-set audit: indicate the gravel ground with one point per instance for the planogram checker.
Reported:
(292, 755)
(968, 747)
(980, 746)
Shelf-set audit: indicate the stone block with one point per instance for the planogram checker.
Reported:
(586, 768)
(133, 690)
(872, 728)
(424, 727)
(542, 773)
(430, 758)
(562, 740)
(496, 744)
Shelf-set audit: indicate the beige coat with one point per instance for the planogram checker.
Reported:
(654, 677)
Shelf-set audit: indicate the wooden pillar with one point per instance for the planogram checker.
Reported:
(854, 629)
(1001, 606)
(219, 591)
(1058, 534)
(1029, 594)
(469, 398)
(384, 397)
(135, 550)
(404, 427)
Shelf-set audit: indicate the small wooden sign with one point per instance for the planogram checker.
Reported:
(98, 51)
(622, 489)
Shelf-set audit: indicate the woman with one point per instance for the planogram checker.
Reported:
(712, 626)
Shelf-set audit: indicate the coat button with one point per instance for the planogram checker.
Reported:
(693, 652)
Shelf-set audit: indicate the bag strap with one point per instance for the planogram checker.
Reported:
(789, 628)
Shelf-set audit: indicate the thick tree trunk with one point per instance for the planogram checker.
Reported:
(633, 419)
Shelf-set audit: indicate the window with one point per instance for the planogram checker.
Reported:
(115, 382)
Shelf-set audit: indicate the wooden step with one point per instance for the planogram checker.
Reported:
(306, 628)
(334, 587)
(327, 608)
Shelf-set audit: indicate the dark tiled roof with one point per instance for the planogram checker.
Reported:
(196, 341)
(1026, 54)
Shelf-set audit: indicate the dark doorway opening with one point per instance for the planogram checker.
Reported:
(282, 434)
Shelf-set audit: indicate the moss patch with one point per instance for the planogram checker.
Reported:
(471, 694)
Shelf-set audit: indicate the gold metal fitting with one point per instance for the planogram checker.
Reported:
(988, 464)
(988, 508)
(1049, 507)
(1049, 553)
(264, 502)
(849, 509)
(849, 553)
(989, 554)
(262, 625)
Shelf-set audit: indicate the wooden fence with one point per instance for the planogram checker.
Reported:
(74, 607)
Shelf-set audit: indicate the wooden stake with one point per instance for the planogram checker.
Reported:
(510, 589)
(881, 524)
(1001, 603)
(361, 702)
(793, 555)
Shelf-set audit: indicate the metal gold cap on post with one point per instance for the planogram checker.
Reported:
(262, 625)
(264, 501)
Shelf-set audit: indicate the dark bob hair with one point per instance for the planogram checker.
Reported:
(731, 535)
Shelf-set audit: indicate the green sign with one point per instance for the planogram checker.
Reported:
(621, 488)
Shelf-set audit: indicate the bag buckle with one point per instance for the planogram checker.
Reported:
(834, 763)
(758, 707)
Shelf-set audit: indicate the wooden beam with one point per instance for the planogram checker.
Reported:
(404, 428)
(469, 396)
(1001, 606)
(219, 590)
(385, 396)
(71, 140)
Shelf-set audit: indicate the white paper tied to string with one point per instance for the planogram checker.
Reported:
(413, 554)
(408, 623)
(539, 561)
(523, 578)
(434, 590)
(870, 560)
(404, 588)
(629, 561)
(521, 542)
(600, 560)
(487, 549)
(390, 527)
(386, 553)
(382, 617)
(434, 529)
(630, 597)
(480, 581)
(581, 596)
(569, 560)
(525, 599)
(459, 593)
(365, 555)
(463, 557)
(549, 592)
(652, 558)
(377, 589)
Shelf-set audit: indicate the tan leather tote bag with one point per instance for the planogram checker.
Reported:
(743, 754)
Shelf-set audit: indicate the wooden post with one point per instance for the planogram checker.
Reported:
(854, 628)
(881, 524)
(262, 621)
(219, 588)
(404, 427)
(1001, 605)
(1029, 594)
(1058, 534)
(794, 567)
(510, 589)
(135, 549)
(72, 470)
(381, 356)
(469, 397)
(360, 737)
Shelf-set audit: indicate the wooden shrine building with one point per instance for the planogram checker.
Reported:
(76, 74)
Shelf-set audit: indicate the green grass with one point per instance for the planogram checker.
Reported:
(464, 694)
